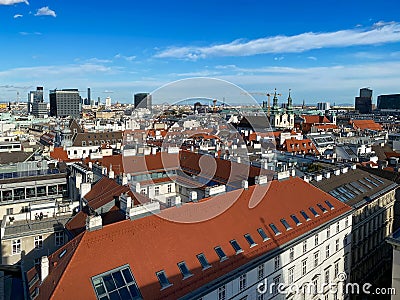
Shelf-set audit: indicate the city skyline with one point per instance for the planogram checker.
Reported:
(322, 51)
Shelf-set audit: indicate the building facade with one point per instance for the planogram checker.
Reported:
(363, 103)
(64, 103)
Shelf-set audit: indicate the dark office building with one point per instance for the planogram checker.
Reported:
(35, 96)
(143, 100)
(391, 102)
(64, 103)
(363, 103)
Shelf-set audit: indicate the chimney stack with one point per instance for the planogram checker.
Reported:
(44, 267)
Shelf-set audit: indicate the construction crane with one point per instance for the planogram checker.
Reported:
(264, 94)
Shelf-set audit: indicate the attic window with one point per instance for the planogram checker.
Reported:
(296, 220)
(221, 254)
(305, 216)
(203, 261)
(62, 253)
(329, 205)
(322, 208)
(274, 229)
(162, 279)
(250, 240)
(314, 212)
(286, 224)
(236, 246)
(184, 270)
(262, 234)
(116, 284)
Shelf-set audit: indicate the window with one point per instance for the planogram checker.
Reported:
(305, 216)
(291, 254)
(337, 227)
(328, 232)
(163, 279)
(277, 280)
(346, 222)
(116, 284)
(39, 242)
(296, 220)
(203, 261)
(59, 238)
(242, 282)
(250, 240)
(336, 268)
(260, 272)
(156, 191)
(316, 258)
(9, 211)
(274, 229)
(169, 188)
(304, 267)
(316, 239)
(327, 250)
(16, 246)
(329, 205)
(337, 245)
(323, 209)
(305, 246)
(327, 276)
(222, 293)
(286, 224)
(143, 191)
(314, 212)
(236, 246)
(262, 234)
(184, 270)
(221, 254)
(277, 262)
(291, 275)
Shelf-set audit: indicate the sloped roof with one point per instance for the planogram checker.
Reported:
(152, 243)
(315, 119)
(366, 124)
(295, 145)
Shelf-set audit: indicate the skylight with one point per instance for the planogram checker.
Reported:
(116, 284)
(286, 224)
(314, 212)
(203, 261)
(329, 204)
(377, 179)
(371, 182)
(162, 279)
(250, 240)
(221, 254)
(184, 270)
(296, 220)
(262, 234)
(323, 209)
(236, 246)
(274, 229)
(305, 216)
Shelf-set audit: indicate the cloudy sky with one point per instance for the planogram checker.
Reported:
(322, 50)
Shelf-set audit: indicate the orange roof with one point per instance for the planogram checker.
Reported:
(151, 244)
(366, 124)
(325, 126)
(59, 153)
(315, 119)
(294, 145)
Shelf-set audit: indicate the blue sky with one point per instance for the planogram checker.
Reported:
(322, 50)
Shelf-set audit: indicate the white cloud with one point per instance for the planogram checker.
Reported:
(11, 2)
(279, 58)
(312, 57)
(18, 16)
(45, 11)
(379, 33)
(127, 58)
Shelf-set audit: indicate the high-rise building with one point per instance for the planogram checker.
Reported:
(108, 102)
(35, 96)
(143, 100)
(323, 106)
(363, 103)
(88, 95)
(64, 103)
(39, 109)
(390, 102)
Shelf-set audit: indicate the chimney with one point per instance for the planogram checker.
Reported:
(193, 196)
(124, 179)
(44, 267)
(154, 150)
(94, 223)
(245, 184)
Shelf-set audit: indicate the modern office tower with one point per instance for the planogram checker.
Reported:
(389, 102)
(363, 103)
(323, 106)
(108, 102)
(64, 103)
(35, 96)
(88, 96)
(143, 100)
(39, 109)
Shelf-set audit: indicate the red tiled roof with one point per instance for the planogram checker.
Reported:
(315, 119)
(366, 124)
(294, 145)
(152, 243)
(325, 126)
(59, 153)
